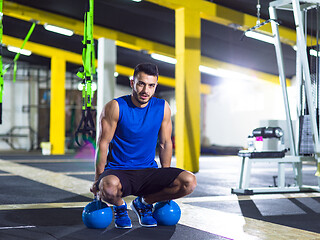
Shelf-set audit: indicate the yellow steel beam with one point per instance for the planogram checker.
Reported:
(226, 16)
(209, 11)
(187, 91)
(47, 51)
(219, 14)
(57, 104)
(50, 52)
(122, 39)
(43, 50)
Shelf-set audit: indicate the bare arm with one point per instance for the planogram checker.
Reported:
(108, 124)
(165, 152)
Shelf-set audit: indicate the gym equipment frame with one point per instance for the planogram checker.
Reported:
(303, 76)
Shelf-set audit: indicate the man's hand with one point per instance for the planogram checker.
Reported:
(94, 188)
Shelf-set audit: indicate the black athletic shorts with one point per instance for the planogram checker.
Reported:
(144, 181)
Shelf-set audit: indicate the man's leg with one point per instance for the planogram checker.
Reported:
(183, 185)
(110, 191)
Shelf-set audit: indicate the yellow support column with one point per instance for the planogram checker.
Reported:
(187, 91)
(57, 104)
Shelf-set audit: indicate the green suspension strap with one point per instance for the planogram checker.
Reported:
(16, 57)
(86, 126)
(3, 71)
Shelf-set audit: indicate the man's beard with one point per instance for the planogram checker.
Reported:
(135, 95)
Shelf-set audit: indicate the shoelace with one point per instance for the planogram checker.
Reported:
(120, 212)
(147, 210)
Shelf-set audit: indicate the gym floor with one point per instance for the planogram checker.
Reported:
(42, 197)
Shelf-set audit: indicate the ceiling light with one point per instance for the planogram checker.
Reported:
(260, 36)
(136, 0)
(19, 50)
(57, 29)
(163, 58)
(210, 71)
(115, 74)
(314, 53)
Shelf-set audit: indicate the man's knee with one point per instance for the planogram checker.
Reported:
(188, 182)
(110, 188)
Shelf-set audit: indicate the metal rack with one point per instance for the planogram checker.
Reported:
(303, 76)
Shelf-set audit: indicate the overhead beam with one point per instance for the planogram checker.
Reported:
(122, 39)
(229, 17)
(219, 14)
(43, 50)
(49, 52)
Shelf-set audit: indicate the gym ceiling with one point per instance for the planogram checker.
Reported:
(144, 27)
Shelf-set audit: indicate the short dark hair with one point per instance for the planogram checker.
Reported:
(147, 68)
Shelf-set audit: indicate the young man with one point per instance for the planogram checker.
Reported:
(129, 129)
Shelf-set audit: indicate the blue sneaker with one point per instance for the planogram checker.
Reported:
(144, 213)
(122, 219)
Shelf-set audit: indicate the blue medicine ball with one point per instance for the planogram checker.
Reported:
(97, 214)
(167, 213)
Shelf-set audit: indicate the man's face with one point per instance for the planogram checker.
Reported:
(143, 88)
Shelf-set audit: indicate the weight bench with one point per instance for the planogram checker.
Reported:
(249, 157)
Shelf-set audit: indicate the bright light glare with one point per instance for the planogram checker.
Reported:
(163, 58)
(93, 86)
(56, 29)
(226, 74)
(210, 71)
(314, 53)
(235, 75)
(260, 36)
(80, 86)
(18, 50)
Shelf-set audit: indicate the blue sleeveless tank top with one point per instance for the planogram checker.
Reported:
(134, 143)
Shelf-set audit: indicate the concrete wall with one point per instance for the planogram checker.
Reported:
(237, 107)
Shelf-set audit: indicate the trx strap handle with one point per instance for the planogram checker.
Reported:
(86, 126)
(258, 26)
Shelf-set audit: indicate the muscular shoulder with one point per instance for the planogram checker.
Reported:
(167, 111)
(111, 111)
